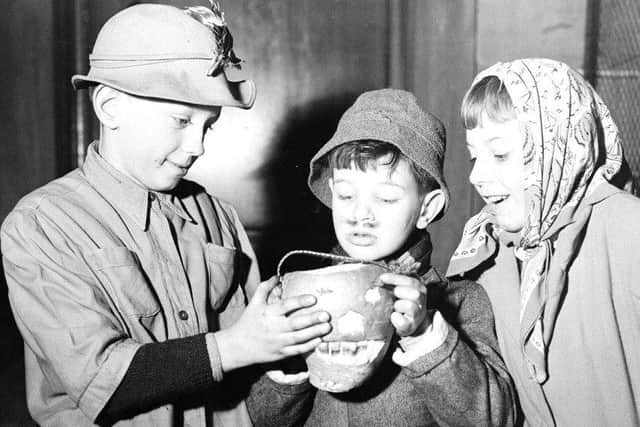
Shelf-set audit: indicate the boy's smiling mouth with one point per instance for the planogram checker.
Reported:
(183, 166)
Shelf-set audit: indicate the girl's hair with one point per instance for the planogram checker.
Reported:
(364, 154)
(487, 98)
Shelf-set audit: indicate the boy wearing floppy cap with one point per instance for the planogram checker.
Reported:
(129, 285)
(381, 175)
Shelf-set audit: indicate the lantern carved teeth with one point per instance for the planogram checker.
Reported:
(349, 353)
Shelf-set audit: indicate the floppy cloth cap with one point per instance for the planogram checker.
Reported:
(387, 115)
(159, 51)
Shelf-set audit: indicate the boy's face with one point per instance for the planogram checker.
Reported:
(156, 142)
(375, 211)
(498, 171)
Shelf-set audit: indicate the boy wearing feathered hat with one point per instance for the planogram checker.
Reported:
(128, 284)
(381, 176)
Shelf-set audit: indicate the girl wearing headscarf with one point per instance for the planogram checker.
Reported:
(557, 245)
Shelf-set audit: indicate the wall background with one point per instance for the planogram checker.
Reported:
(310, 60)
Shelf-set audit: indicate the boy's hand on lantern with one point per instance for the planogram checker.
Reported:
(271, 329)
(410, 315)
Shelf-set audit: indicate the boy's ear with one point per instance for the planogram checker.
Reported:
(105, 104)
(432, 205)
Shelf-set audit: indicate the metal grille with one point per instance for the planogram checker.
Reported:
(616, 72)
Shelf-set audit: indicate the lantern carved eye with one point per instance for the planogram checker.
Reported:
(351, 323)
(373, 295)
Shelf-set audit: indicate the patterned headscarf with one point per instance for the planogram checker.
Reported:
(570, 146)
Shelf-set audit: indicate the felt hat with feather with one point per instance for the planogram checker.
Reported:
(160, 51)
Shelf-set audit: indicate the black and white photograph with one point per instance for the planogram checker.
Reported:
(322, 213)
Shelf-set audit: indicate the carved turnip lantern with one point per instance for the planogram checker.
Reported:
(360, 318)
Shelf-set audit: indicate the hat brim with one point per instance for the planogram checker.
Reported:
(319, 173)
(183, 81)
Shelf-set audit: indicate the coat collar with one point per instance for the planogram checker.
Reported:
(125, 194)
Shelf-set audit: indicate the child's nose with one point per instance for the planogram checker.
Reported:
(362, 212)
(194, 143)
(479, 173)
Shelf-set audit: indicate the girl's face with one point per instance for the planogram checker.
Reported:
(498, 171)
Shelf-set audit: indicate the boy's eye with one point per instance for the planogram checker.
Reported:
(387, 200)
(181, 121)
(343, 191)
(500, 157)
(388, 197)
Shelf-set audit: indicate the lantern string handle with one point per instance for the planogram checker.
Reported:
(334, 257)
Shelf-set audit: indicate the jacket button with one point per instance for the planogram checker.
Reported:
(183, 315)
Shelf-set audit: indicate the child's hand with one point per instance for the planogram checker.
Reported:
(288, 371)
(410, 310)
(270, 330)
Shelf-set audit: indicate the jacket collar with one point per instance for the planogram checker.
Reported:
(126, 195)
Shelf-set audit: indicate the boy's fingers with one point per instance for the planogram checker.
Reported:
(307, 334)
(289, 379)
(393, 279)
(302, 321)
(408, 293)
(401, 323)
(263, 290)
(291, 304)
(275, 294)
(406, 307)
(306, 347)
(277, 291)
(396, 279)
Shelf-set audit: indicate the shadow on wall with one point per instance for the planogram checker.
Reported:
(300, 221)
